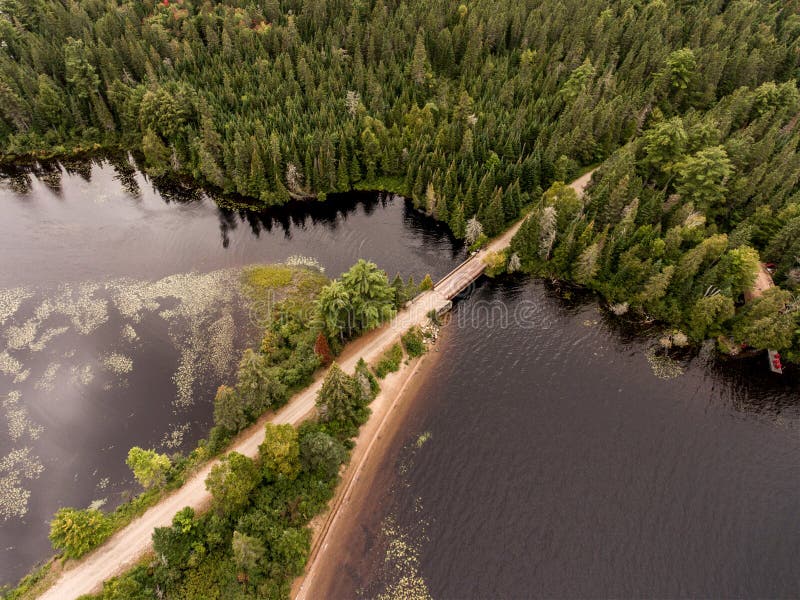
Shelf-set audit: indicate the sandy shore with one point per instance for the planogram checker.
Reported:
(333, 535)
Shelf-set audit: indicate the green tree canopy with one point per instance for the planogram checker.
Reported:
(149, 467)
(75, 532)
(361, 300)
(231, 482)
(279, 452)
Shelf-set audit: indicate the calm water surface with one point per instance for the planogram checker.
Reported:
(120, 315)
(547, 459)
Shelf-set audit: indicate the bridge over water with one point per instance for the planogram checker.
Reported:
(460, 278)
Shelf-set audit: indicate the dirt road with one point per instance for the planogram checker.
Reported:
(125, 547)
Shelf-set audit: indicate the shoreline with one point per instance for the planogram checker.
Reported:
(332, 529)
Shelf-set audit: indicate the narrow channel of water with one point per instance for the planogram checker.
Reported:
(551, 453)
(120, 315)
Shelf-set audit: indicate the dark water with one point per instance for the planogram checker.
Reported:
(120, 315)
(555, 464)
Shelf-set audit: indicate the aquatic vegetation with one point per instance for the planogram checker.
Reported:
(22, 376)
(423, 437)
(129, 333)
(129, 300)
(46, 382)
(203, 338)
(97, 504)
(117, 363)
(78, 303)
(21, 336)
(267, 277)
(174, 439)
(662, 365)
(186, 374)
(402, 560)
(46, 336)
(18, 419)
(8, 364)
(10, 301)
(16, 466)
(220, 347)
(304, 261)
(83, 374)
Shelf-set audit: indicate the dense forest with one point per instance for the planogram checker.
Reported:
(472, 110)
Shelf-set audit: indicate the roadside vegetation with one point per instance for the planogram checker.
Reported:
(254, 540)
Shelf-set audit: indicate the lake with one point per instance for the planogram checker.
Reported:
(553, 451)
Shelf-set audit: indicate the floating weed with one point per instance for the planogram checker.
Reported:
(186, 374)
(12, 397)
(45, 338)
(129, 333)
(221, 345)
(408, 587)
(174, 439)
(8, 364)
(16, 466)
(663, 366)
(98, 504)
(196, 293)
(117, 363)
(198, 298)
(402, 560)
(47, 381)
(79, 304)
(304, 261)
(104, 483)
(22, 376)
(83, 374)
(423, 437)
(20, 336)
(18, 419)
(10, 301)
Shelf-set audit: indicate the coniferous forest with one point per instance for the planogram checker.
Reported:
(688, 108)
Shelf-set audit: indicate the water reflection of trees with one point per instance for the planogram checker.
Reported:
(233, 211)
(743, 383)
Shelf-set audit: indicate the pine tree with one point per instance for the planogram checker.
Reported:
(339, 397)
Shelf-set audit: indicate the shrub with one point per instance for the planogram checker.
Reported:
(75, 532)
(149, 467)
(390, 362)
(495, 263)
(479, 243)
(413, 342)
(320, 453)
